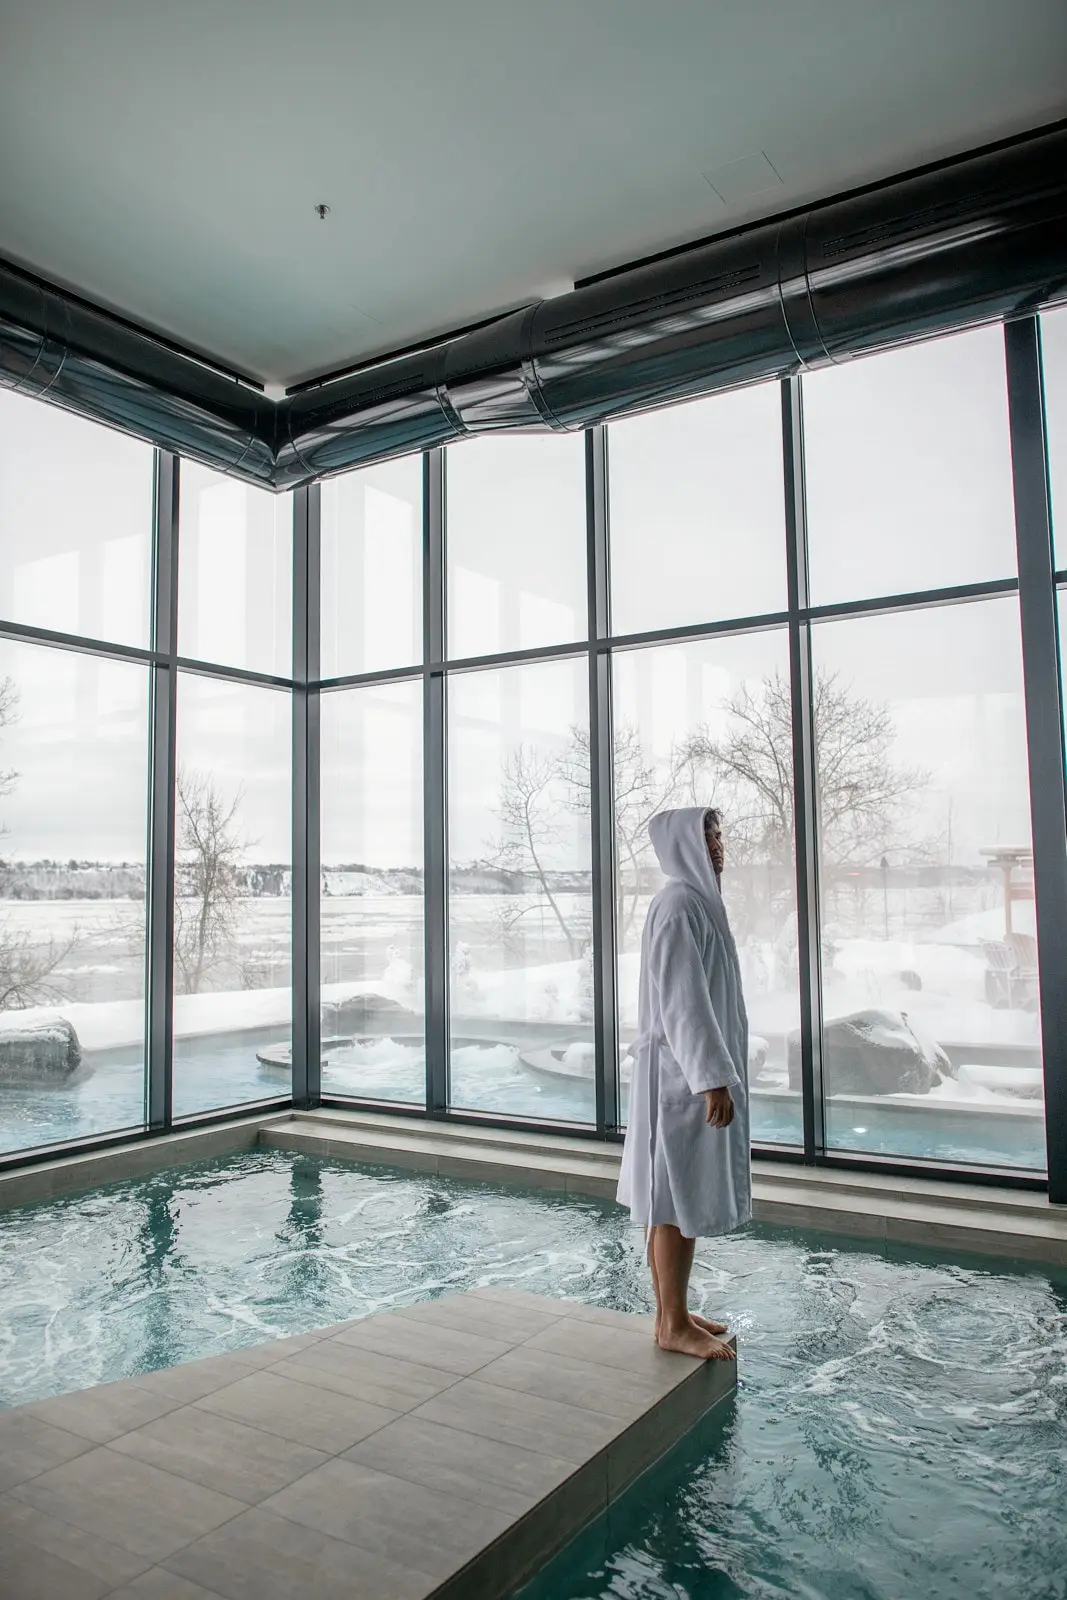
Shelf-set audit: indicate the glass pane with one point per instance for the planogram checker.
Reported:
(232, 914)
(73, 820)
(372, 569)
(908, 470)
(235, 573)
(698, 512)
(520, 905)
(708, 723)
(1054, 361)
(929, 952)
(373, 1033)
(516, 543)
(75, 523)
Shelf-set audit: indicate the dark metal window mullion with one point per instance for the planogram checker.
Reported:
(1044, 721)
(306, 873)
(159, 886)
(805, 786)
(601, 784)
(435, 786)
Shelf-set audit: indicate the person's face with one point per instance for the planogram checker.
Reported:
(713, 836)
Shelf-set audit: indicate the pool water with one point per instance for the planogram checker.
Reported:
(898, 1433)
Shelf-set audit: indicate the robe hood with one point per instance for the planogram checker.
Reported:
(679, 843)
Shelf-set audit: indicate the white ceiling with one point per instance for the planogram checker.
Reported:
(165, 156)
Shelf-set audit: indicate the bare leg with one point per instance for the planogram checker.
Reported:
(701, 1322)
(673, 1257)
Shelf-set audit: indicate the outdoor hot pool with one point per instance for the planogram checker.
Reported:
(898, 1431)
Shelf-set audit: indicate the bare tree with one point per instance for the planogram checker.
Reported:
(747, 772)
(642, 786)
(208, 883)
(9, 713)
(863, 792)
(533, 813)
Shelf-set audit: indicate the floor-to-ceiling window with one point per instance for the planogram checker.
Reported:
(931, 1041)
(76, 519)
(523, 647)
(233, 794)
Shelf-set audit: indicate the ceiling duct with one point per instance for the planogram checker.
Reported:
(980, 238)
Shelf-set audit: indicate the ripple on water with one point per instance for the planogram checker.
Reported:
(898, 1433)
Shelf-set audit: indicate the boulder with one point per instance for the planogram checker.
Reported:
(875, 1052)
(45, 1051)
(362, 1014)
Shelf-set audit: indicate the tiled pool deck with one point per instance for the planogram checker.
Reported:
(445, 1449)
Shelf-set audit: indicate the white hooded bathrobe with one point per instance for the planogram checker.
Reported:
(693, 1035)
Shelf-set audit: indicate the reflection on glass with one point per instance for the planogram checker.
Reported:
(697, 512)
(1054, 363)
(929, 955)
(232, 914)
(372, 569)
(73, 798)
(908, 469)
(75, 523)
(708, 723)
(516, 543)
(235, 573)
(519, 892)
(373, 1033)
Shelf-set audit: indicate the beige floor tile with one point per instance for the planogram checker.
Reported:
(29, 1573)
(194, 1379)
(613, 1347)
(391, 1335)
(220, 1454)
(392, 1518)
(578, 1383)
(476, 1468)
(626, 1320)
(366, 1375)
(527, 1420)
(299, 1411)
(86, 1550)
(265, 1355)
(128, 1502)
(29, 1446)
(492, 1319)
(104, 1412)
(263, 1557)
(159, 1584)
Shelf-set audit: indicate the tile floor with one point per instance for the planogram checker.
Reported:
(446, 1449)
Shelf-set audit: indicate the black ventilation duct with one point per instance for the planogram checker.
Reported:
(982, 238)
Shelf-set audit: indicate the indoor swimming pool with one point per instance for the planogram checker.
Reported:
(899, 1425)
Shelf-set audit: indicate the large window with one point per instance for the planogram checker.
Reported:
(516, 544)
(235, 553)
(467, 957)
(908, 470)
(373, 999)
(708, 723)
(929, 956)
(73, 793)
(372, 569)
(521, 977)
(697, 512)
(75, 524)
(232, 906)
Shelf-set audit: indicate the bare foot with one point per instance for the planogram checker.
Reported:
(701, 1322)
(691, 1340)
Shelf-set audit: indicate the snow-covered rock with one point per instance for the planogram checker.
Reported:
(40, 1051)
(875, 1052)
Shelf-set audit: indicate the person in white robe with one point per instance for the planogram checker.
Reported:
(686, 1171)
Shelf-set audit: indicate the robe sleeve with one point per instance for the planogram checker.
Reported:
(687, 1016)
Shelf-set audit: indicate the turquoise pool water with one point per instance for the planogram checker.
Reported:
(898, 1433)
